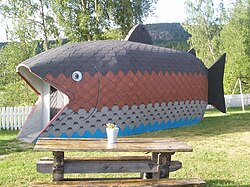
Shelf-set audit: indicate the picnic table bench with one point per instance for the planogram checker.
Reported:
(154, 169)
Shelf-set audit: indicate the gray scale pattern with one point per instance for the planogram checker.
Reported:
(69, 121)
(114, 56)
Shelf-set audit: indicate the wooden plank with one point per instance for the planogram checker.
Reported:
(143, 140)
(22, 116)
(123, 183)
(165, 165)
(99, 166)
(174, 165)
(122, 145)
(3, 122)
(15, 118)
(7, 118)
(45, 165)
(66, 141)
(115, 158)
(156, 158)
(1, 118)
(11, 125)
(19, 118)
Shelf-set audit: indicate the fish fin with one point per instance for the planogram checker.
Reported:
(139, 34)
(215, 84)
(192, 51)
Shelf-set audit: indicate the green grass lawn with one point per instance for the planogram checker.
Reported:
(221, 153)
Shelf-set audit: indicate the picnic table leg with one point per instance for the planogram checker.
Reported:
(165, 161)
(154, 158)
(58, 166)
(157, 158)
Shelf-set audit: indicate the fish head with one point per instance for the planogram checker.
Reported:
(64, 80)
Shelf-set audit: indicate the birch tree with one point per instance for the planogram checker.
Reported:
(31, 20)
(235, 38)
(204, 22)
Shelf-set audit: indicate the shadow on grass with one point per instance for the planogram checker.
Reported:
(209, 127)
(9, 143)
(216, 125)
(226, 183)
(10, 146)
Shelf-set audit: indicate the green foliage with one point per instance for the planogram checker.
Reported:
(235, 38)
(13, 91)
(127, 13)
(92, 19)
(22, 30)
(81, 20)
(17, 94)
(113, 34)
(122, 15)
(215, 32)
(31, 20)
(204, 23)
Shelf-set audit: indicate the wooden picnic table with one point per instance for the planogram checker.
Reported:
(158, 165)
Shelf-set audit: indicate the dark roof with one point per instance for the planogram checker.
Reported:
(109, 55)
(139, 34)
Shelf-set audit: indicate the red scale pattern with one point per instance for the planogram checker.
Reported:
(129, 89)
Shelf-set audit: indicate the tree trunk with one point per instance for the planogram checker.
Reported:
(45, 32)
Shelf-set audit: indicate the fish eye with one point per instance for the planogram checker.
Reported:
(77, 76)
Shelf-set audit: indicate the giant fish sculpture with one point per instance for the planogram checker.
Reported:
(138, 86)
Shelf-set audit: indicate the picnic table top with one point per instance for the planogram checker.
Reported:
(122, 145)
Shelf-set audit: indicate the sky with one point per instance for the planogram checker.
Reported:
(166, 11)
(170, 11)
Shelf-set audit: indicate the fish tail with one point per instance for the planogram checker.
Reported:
(215, 84)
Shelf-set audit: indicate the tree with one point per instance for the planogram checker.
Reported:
(204, 24)
(14, 91)
(22, 47)
(127, 13)
(81, 20)
(89, 19)
(122, 15)
(235, 38)
(30, 19)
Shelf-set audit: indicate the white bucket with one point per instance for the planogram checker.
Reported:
(112, 134)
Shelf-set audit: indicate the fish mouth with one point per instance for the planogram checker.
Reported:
(50, 103)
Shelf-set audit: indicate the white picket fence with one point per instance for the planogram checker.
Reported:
(235, 101)
(12, 118)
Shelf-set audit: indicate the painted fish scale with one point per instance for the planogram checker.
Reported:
(138, 57)
(163, 117)
(132, 88)
(139, 87)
